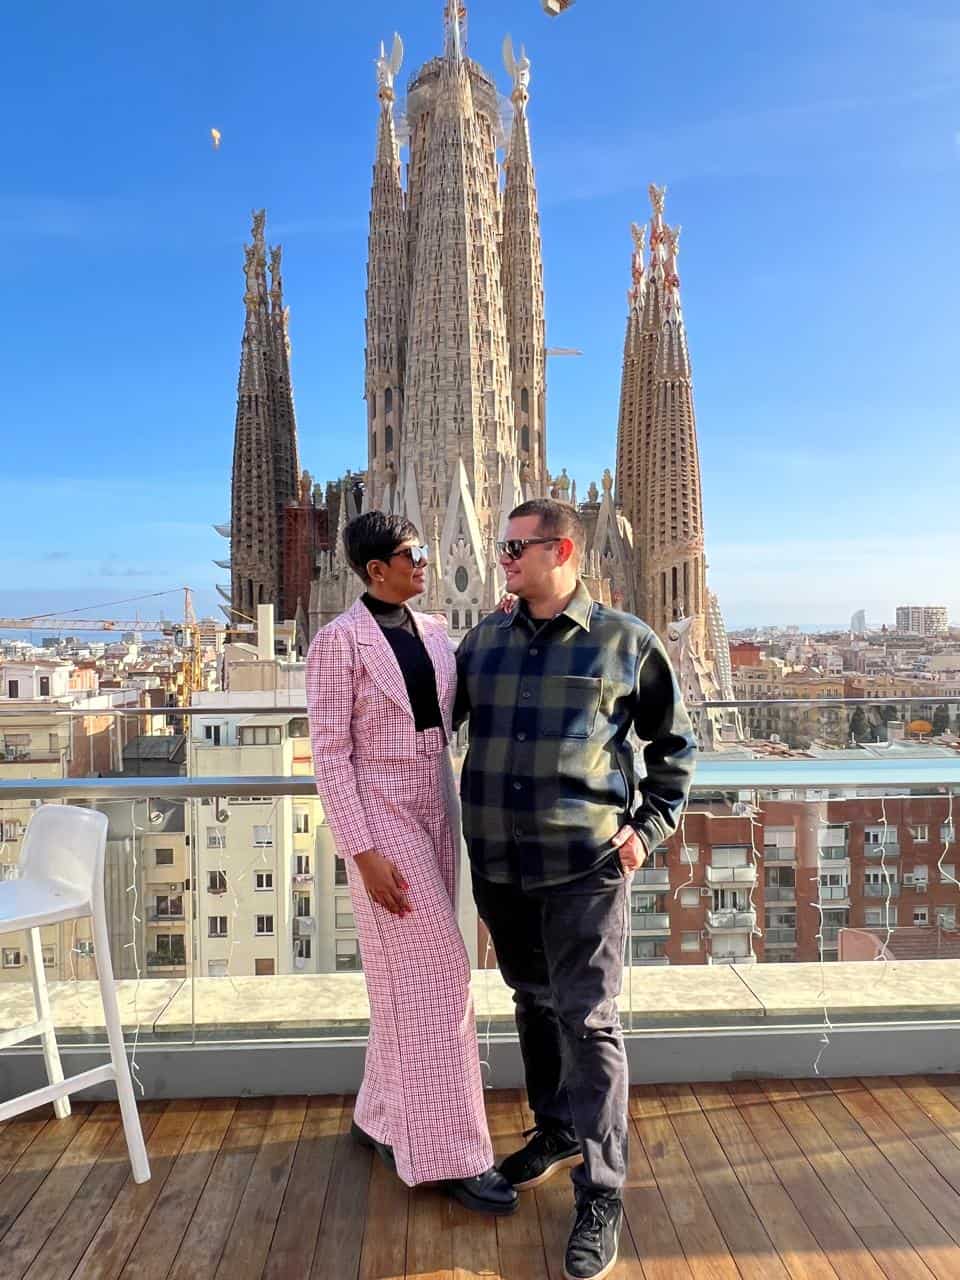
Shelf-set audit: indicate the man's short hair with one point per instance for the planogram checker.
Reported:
(374, 536)
(557, 520)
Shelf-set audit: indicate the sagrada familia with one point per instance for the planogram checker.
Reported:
(455, 389)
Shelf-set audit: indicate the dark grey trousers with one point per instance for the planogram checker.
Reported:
(560, 949)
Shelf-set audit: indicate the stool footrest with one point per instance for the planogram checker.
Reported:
(50, 1093)
(19, 1034)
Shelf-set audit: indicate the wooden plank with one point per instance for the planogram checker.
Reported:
(935, 1192)
(245, 1252)
(94, 1199)
(944, 1113)
(854, 1197)
(743, 1231)
(202, 1244)
(41, 1214)
(905, 1209)
(702, 1240)
(924, 1133)
(384, 1249)
(340, 1240)
(35, 1162)
(519, 1240)
(16, 1136)
(829, 1225)
(298, 1226)
(153, 1254)
(429, 1238)
(646, 1221)
(117, 1234)
(792, 1238)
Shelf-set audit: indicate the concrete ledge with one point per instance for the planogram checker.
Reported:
(665, 999)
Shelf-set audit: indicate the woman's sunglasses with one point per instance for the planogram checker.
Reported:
(416, 555)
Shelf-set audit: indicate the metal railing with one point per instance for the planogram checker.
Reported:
(730, 918)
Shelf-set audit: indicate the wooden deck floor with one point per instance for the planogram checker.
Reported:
(810, 1180)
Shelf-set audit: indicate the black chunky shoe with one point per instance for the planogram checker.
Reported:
(383, 1151)
(548, 1151)
(592, 1247)
(488, 1192)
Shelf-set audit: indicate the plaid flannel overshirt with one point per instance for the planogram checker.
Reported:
(555, 709)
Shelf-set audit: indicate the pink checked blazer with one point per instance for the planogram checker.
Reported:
(360, 711)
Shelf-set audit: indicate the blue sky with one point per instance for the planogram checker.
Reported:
(812, 153)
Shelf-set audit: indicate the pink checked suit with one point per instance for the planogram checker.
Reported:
(384, 786)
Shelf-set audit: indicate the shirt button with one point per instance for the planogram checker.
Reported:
(521, 737)
(518, 786)
(534, 652)
(525, 694)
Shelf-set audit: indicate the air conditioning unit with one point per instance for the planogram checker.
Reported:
(175, 886)
(908, 879)
(706, 893)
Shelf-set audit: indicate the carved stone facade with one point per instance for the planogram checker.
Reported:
(266, 467)
(455, 353)
(658, 476)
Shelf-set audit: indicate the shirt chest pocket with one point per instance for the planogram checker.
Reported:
(569, 706)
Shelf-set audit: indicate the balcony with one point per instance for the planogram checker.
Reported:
(882, 890)
(729, 920)
(730, 957)
(889, 849)
(650, 922)
(779, 937)
(779, 893)
(652, 877)
(835, 893)
(302, 878)
(720, 877)
(165, 917)
(834, 853)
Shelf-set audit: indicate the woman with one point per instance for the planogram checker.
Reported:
(380, 688)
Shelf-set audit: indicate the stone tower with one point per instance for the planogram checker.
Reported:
(658, 472)
(266, 469)
(455, 358)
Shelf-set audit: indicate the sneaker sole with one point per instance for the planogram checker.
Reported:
(568, 1162)
(597, 1275)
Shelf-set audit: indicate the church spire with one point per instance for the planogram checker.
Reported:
(285, 415)
(455, 30)
(523, 282)
(386, 293)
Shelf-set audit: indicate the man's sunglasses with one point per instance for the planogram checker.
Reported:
(514, 548)
(416, 555)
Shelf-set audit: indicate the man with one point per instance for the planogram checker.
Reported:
(555, 820)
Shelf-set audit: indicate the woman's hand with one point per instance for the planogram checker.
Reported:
(508, 602)
(383, 882)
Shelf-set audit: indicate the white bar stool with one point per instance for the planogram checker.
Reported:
(61, 878)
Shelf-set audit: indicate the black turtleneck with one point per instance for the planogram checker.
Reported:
(415, 664)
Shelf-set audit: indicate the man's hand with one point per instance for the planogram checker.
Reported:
(632, 850)
(383, 882)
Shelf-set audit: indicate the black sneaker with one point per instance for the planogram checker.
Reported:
(548, 1151)
(592, 1247)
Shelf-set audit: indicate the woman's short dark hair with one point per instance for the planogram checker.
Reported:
(374, 536)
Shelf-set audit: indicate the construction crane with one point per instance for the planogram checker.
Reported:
(185, 635)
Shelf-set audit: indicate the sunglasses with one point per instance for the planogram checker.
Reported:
(514, 548)
(416, 555)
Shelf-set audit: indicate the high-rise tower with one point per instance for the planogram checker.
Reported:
(265, 456)
(658, 467)
(455, 384)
